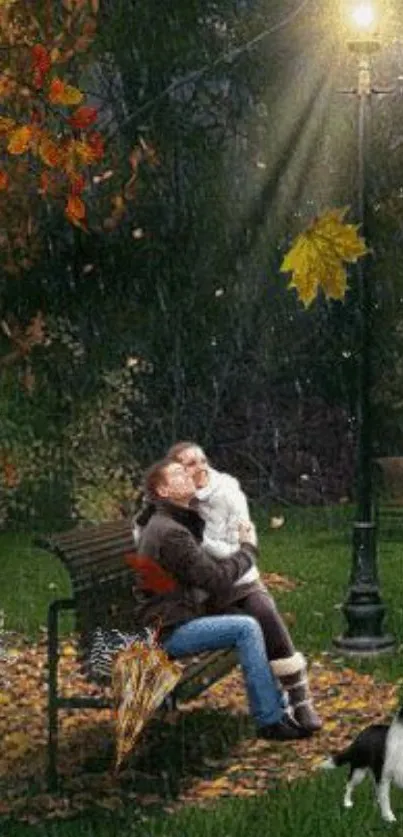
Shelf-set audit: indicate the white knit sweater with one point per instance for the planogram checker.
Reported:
(223, 506)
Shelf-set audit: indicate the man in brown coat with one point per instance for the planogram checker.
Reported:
(185, 585)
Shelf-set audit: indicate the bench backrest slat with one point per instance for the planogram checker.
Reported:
(93, 552)
(102, 583)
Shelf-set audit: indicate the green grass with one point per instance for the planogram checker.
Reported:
(304, 809)
(29, 579)
(314, 547)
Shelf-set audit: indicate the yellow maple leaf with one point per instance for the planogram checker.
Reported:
(317, 256)
(20, 140)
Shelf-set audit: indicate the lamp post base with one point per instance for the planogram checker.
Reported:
(365, 646)
(364, 609)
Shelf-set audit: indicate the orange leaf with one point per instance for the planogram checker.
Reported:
(83, 117)
(75, 210)
(4, 181)
(20, 140)
(50, 153)
(64, 94)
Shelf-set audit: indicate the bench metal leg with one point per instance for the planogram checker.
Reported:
(52, 751)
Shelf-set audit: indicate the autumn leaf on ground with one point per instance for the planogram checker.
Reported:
(346, 700)
(318, 255)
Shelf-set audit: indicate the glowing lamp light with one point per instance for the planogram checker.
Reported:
(363, 17)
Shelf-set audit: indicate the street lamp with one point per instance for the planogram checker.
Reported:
(363, 608)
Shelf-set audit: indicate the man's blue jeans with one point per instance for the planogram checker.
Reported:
(210, 633)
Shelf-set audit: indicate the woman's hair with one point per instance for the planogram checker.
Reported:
(175, 451)
(154, 476)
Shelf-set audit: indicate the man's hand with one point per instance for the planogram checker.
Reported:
(247, 532)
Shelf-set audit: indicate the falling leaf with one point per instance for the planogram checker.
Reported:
(276, 522)
(4, 181)
(316, 258)
(64, 94)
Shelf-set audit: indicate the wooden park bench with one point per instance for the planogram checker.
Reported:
(103, 595)
(388, 496)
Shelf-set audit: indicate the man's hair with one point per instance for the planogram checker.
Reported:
(175, 451)
(154, 476)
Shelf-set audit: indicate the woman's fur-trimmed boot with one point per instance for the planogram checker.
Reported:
(293, 676)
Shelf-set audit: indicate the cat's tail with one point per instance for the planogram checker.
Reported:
(336, 760)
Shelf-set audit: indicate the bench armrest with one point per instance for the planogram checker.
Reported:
(54, 609)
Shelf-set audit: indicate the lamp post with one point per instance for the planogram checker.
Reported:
(363, 608)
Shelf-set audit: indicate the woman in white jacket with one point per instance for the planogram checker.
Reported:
(224, 508)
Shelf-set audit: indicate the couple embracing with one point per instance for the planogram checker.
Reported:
(197, 529)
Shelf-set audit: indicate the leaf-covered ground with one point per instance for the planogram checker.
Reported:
(204, 751)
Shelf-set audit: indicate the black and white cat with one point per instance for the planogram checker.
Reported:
(377, 750)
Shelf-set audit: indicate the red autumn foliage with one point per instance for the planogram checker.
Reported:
(152, 577)
(83, 118)
(42, 63)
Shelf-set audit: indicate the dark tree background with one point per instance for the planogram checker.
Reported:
(178, 324)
